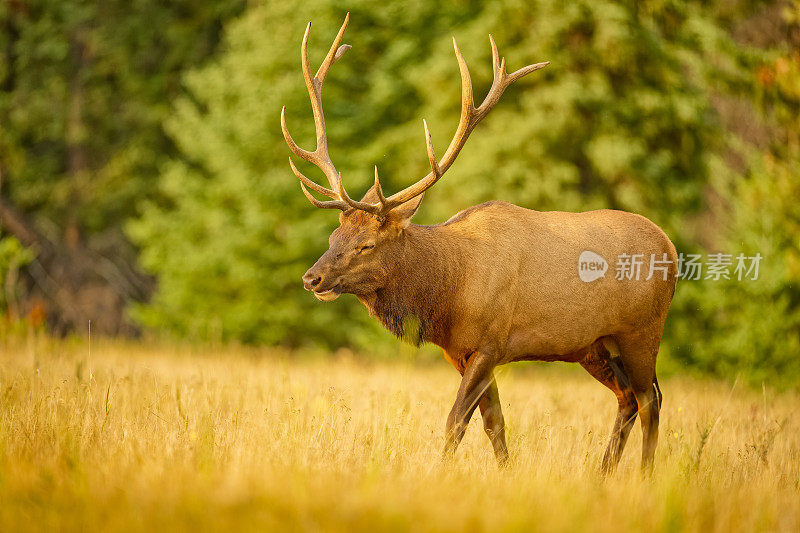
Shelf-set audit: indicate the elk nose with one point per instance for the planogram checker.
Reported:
(311, 280)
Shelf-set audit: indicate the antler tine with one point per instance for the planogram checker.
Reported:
(379, 189)
(431, 153)
(312, 184)
(316, 108)
(375, 209)
(327, 204)
(470, 117)
(465, 122)
(467, 102)
(524, 71)
(501, 80)
(497, 66)
(336, 51)
(296, 150)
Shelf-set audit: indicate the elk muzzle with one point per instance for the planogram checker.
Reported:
(314, 281)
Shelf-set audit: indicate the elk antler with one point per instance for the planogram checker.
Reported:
(319, 156)
(470, 117)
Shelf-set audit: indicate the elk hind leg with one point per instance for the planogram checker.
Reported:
(649, 407)
(493, 422)
(606, 367)
(639, 352)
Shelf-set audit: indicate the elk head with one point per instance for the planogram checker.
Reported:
(364, 248)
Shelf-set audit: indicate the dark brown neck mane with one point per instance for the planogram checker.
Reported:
(415, 303)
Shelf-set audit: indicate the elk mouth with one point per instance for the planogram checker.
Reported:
(326, 296)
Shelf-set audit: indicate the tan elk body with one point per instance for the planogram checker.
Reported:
(497, 283)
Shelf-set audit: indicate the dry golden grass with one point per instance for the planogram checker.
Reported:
(129, 437)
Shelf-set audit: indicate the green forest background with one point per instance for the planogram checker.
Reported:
(145, 183)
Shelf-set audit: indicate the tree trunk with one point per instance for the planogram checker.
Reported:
(76, 153)
(75, 284)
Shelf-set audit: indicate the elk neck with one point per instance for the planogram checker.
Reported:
(416, 302)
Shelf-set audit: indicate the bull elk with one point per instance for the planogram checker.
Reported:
(496, 283)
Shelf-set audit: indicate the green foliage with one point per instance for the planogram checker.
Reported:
(751, 329)
(13, 256)
(84, 87)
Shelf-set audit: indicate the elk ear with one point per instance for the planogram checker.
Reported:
(370, 197)
(401, 215)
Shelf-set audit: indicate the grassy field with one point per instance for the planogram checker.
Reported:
(131, 437)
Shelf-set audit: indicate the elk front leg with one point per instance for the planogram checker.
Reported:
(493, 423)
(476, 380)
